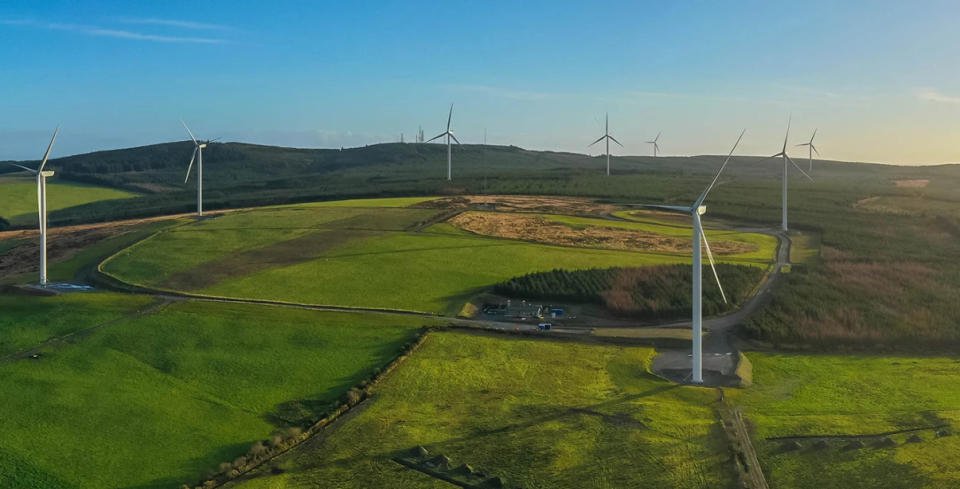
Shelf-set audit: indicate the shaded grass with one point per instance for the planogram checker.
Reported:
(25, 322)
(797, 394)
(157, 401)
(18, 197)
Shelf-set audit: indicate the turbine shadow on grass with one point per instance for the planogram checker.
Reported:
(559, 413)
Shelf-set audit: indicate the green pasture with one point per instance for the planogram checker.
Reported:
(797, 394)
(362, 257)
(540, 414)
(155, 401)
(18, 197)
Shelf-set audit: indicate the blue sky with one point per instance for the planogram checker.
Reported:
(879, 79)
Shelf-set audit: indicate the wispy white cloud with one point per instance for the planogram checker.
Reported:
(934, 95)
(503, 92)
(181, 24)
(114, 33)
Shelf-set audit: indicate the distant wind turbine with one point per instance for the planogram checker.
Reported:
(449, 135)
(811, 149)
(197, 155)
(786, 158)
(608, 137)
(656, 147)
(695, 211)
(42, 204)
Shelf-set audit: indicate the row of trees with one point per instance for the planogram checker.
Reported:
(656, 292)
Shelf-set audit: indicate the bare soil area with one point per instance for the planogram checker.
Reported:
(540, 230)
(912, 183)
(62, 244)
(523, 203)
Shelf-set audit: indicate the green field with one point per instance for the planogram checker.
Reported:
(796, 394)
(540, 414)
(362, 257)
(18, 197)
(157, 400)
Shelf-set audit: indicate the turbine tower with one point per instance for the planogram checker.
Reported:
(42, 204)
(449, 135)
(656, 147)
(608, 137)
(811, 149)
(695, 211)
(197, 155)
(786, 159)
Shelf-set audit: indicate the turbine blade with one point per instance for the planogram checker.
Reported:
(438, 136)
(814, 149)
(703, 196)
(454, 138)
(798, 168)
(449, 117)
(814, 135)
(190, 166)
(713, 267)
(802, 144)
(31, 170)
(49, 147)
(597, 141)
(789, 120)
(615, 140)
(188, 131)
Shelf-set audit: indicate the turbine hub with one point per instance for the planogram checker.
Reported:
(702, 210)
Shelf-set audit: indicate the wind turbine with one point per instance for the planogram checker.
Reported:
(656, 147)
(786, 159)
(695, 211)
(449, 135)
(197, 155)
(608, 137)
(42, 204)
(811, 149)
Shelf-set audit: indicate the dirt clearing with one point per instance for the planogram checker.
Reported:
(540, 230)
(523, 203)
(914, 183)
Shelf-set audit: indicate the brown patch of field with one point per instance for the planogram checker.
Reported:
(540, 230)
(891, 288)
(62, 244)
(909, 205)
(522, 203)
(284, 253)
(912, 183)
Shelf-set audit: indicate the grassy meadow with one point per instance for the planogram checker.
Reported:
(363, 256)
(540, 414)
(18, 197)
(156, 400)
(809, 394)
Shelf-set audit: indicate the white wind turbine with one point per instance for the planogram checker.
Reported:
(786, 159)
(42, 204)
(197, 155)
(695, 211)
(656, 147)
(608, 137)
(811, 149)
(449, 135)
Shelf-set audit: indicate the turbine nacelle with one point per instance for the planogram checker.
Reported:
(46, 173)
